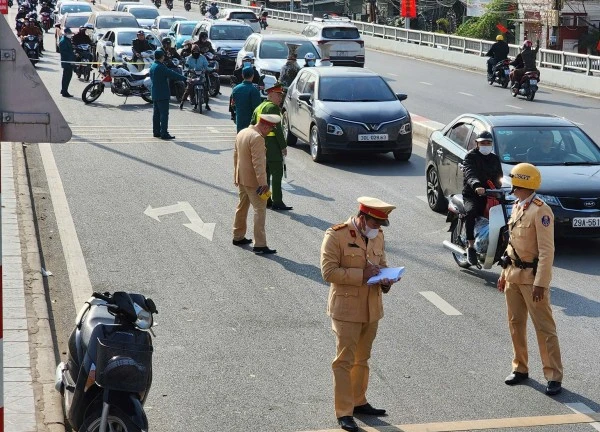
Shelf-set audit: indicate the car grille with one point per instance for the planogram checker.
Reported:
(580, 203)
(232, 53)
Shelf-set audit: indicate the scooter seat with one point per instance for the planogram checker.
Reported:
(137, 77)
(96, 315)
(457, 201)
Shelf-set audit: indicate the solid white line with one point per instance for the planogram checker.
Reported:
(515, 107)
(76, 268)
(426, 83)
(582, 408)
(392, 74)
(440, 303)
(466, 94)
(423, 198)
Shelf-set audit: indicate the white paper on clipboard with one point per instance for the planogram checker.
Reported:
(391, 273)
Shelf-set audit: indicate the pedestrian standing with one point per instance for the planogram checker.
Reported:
(276, 146)
(525, 278)
(250, 177)
(246, 98)
(351, 253)
(67, 57)
(161, 94)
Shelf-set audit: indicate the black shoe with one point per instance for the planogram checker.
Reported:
(181, 105)
(269, 203)
(167, 137)
(367, 409)
(281, 207)
(264, 250)
(207, 108)
(66, 94)
(348, 424)
(472, 256)
(242, 242)
(156, 135)
(554, 388)
(516, 378)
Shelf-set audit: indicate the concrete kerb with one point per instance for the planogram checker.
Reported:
(49, 411)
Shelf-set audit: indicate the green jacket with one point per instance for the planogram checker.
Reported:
(160, 75)
(275, 142)
(246, 98)
(66, 51)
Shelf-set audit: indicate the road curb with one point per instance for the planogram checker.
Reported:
(50, 415)
(424, 127)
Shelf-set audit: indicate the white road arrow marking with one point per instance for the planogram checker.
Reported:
(196, 223)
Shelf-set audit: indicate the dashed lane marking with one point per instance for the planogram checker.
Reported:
(515, 107)
(286, 186)
(425, 83)
(392, 74)
(466, 94)
(472, 425)
(582, 408)
(423, 198)
(440, 303)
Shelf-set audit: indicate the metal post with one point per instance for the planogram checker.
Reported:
(1, 308)
(407, 23)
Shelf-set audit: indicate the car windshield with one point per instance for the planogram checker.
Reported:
(275, 49)
(546, 146)
(340, 33)
(186, 29)
(166, 23)
(116, 21)
(141, 13)
(126, 38)
(355, 89)
(75, 8)
(230, 32)
(76, 21)
(243, 16)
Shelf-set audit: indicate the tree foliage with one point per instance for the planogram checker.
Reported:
(484, 27)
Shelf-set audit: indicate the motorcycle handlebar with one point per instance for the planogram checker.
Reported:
(101, 296)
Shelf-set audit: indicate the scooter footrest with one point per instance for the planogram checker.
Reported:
(67, 380)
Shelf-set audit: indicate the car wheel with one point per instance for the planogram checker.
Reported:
(402, 156)
(315, 146)
(435, 196)
(290, 138)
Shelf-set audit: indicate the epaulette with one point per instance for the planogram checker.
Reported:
(339, 226)
(538, 202)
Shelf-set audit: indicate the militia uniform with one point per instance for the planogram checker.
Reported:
(246, 98)
(276, 147)
(355, 308)
(531, 253)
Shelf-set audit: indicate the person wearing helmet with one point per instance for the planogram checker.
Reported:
(204, 44)
(525, 278)
(21, 14)
(213, 10)
(67, 57)
(31, 29)
(524, 62)
(309, 60)
(482, 170)
(186, 49)
(170, 52)
(139, 45)
(247, 60)
(196, 62)
(496, 53)
(82, 37)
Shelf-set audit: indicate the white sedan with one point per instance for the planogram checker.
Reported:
(118, 42)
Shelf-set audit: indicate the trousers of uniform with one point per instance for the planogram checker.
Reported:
(66, 77)
(474, 206)
(248, 196)
(160, 117)
(519, 302)
(274, 176)
(351, 364)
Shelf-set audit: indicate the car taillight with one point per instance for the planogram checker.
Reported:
(361, 43)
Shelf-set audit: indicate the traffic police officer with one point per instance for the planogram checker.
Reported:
(276, 145)
(525, 278)
(351, 253)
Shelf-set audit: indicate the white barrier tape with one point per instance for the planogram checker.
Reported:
(99, 63)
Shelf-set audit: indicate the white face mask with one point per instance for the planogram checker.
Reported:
(371, 233)
(485, 150)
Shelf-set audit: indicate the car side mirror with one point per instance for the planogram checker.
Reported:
(109, 44)
(305, 97)
(401, 96)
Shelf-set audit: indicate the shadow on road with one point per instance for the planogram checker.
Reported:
(310, 221)
(309, 271)
(566, 396)
(578, 255)
(302, 191)
(377, 423)
(574, 304)
(564, 104)
(199, 148)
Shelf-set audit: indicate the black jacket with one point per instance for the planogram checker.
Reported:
(139, 46)
(529, 56)
(499, 51)
(255, 79)
(478, 169)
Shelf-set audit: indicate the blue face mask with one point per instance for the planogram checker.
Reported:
(246, 63)
(311, 63)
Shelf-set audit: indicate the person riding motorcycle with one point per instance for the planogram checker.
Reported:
(203, 8)
(186, 49)
(309, 60)
(213, 10)
(524, 62)
(139, 45)
(81, 37)
(203, 42)
(21, 14)
(170, 52)
(197, 62)
(497, 53)
(480, 166)
(46, 8)
(31, 28)
(248, 60)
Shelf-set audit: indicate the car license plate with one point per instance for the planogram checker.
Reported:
(373, 137)
(533, 82)
(342, 53)
(586, 222)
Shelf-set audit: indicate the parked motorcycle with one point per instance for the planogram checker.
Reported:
(198, 97)
(169, 4)
(121, 81)
(108, 373)
(528, 85)
(31, 45)
(83, 53)
(214, 82)
(187, 4)
(500, 73)
(491, 230)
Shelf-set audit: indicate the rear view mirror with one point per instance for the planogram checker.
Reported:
(401, 96)
(109, 44)
(305, 97)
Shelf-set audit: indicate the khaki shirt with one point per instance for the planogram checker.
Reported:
(344, 256)
(250, 158)
(531, 229)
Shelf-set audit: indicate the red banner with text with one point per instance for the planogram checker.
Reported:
(4, 7)
(408, 8)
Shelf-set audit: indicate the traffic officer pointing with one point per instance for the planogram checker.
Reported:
(525, 278)
(351, 253)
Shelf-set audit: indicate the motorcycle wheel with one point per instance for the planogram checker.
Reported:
(117, 422)
(530, 96)
(505, 83)
(215, 87)
(92, 92)
(491, 80)
(461, 260)
(147, 97)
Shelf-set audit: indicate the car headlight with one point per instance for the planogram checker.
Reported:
(549, 199)
(334, 129)
(405, 129)
(222, 52)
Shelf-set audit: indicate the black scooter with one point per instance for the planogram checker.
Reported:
(108, 373)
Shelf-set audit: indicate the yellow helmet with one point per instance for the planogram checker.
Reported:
(526, 176)
(499, 37)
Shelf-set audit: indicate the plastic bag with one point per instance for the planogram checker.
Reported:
(482, 235)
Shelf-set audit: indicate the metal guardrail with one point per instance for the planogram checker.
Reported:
(565, 61)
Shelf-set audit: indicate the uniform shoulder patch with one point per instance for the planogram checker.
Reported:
(546, 220)
(538, 202)
(339, 226)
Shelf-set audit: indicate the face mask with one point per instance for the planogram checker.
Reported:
(247, 64)
(369, 232)
(311, 63)
(485, 150)
(196, 55)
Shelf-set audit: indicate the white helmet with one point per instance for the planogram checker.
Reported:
(309, 56)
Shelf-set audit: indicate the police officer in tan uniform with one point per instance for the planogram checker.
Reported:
(351, 253)
(526, 276)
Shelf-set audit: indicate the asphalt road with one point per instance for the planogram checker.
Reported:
(243, 341)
